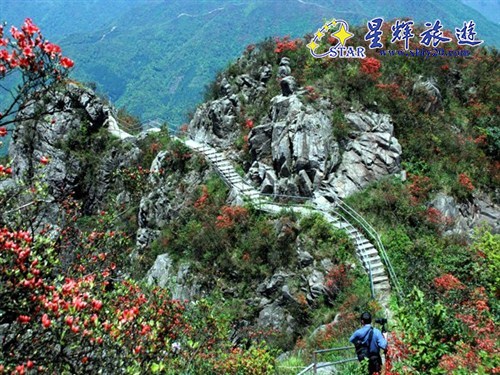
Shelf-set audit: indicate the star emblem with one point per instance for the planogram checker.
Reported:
(312, 46)
(342, 34)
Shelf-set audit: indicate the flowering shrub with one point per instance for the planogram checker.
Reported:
(419, 188)
(465, 181)
(338, 279)
(371, 67)
(447, 282)
(312, 95)
(230, 216)
(286, 44)
(39, 62)
(393, 90)
(248, 123)
(67, 305)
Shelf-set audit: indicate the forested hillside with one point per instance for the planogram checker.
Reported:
(135, 254)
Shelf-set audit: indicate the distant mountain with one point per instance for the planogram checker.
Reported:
(60, 18)
(155, 57)
(488, 8)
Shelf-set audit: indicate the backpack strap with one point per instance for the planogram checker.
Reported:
(369, 334)
(369, 341)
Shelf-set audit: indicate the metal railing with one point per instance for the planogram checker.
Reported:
(345, 209)
(368, 229)
(315, 365)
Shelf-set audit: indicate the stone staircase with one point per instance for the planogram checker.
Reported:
(335, 214)
(365, 250)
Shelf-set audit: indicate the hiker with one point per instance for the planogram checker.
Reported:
(368, 342)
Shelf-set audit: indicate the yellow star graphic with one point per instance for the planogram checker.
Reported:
(312, 45)
(342, 35)
(319, 34)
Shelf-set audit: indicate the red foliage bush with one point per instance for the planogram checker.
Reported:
(231, 216)
(465, 181)
(285, 44)
(371, 66)
(447, 282)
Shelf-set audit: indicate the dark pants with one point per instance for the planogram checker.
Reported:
(374, 364)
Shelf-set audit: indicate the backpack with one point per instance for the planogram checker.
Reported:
(363, 347)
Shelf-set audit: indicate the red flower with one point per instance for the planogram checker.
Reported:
(46, 321)
(23, 319)
(137, 349)
(96, 304)
(465, 181)
(249, 124)
(51, 49)
(44, 160)
(66, 62)
(3, 131)
(29, 28)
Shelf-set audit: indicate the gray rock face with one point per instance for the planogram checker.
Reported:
(276, 317)
(73, 114)
(427, 95)
(177, 279)
(284, 69)
(215, 122)
(466, 216)
(372, 154)
(161, 272)
(288, 86)
(299, 146)
(163, 203)
(265, 73)
(302, 147)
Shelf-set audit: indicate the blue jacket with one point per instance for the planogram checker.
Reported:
(378, 341)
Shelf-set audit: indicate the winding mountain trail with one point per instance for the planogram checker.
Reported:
(371, 253)
(365, 250)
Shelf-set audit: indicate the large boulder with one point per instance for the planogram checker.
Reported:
(466, 216)
(302, 147)
(373, 153)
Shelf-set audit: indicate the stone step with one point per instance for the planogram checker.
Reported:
(382, 286)
(362, 241)
(376, 264)
(369, 252)
(365, 247)
(380, 279)
(378, 272)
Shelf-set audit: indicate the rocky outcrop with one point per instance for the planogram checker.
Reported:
(426, 95)
(164, 202)
(53, 137)
(464, 217)
(216, 122)
(178, 280)
(293, 148)
(373, 153)
(297, 152)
